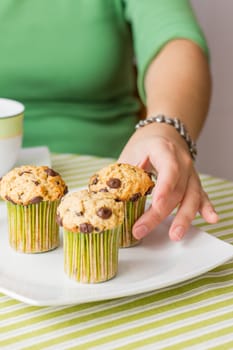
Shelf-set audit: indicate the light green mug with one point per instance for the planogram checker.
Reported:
(11, 133)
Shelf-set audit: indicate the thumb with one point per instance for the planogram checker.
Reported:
(146, 223)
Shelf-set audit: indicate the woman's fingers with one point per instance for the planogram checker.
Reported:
(195, 200)
(177, 186)
(187, 210)
(168, 193)
(207, 210)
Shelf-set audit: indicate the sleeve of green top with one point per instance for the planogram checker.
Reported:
(156, 22)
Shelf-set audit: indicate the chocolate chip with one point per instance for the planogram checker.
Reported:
(25, 172)
(95, 181)
(36, 183)
(51, 172)
(9, 199)
(97, 229)
(135, 197)
(86, 228)
(118, 200)
(103, 190)
(59, 220)
(104, 213)
(149, 174)
(36, 200)
(149, 190)
(114, 183)
(79, 213)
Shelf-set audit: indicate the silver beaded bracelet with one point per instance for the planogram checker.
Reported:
(178, 125)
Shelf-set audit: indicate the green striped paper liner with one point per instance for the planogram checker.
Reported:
(132, 211)
(32, 228)
(91, 257)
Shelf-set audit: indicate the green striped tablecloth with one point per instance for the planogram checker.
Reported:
(196, 314)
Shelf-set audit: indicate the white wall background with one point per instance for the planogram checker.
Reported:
(215, 145)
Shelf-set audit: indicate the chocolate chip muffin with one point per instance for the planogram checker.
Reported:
(32, 194)
(91, 225)
(129, 184)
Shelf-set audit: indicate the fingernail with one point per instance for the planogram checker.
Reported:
(212, 210)
(178, 233)
(140, 231)
(214, 216)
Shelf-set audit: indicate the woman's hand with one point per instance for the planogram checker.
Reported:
(160, 148)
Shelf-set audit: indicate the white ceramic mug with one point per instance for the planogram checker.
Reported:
(11, 133)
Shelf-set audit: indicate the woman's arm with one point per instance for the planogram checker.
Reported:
(177, 84)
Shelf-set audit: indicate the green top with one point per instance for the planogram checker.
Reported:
(71, 63)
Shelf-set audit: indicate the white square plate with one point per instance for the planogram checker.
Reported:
(38, 279)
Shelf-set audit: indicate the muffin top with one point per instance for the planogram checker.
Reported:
(89, 212)
(30, 184)
(126, 182)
